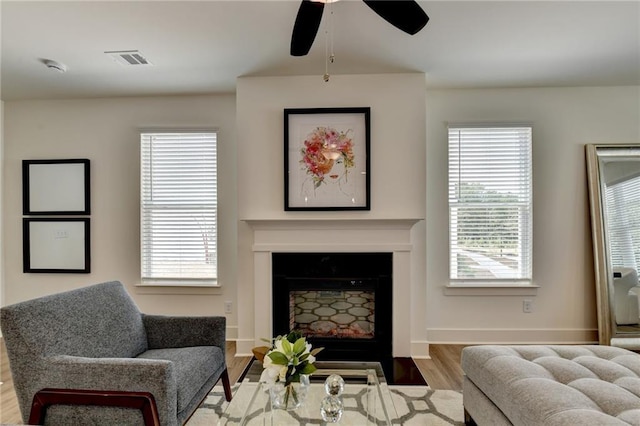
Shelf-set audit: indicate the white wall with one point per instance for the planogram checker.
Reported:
(2, 297)
(397, 162)
(106, 132)
(564, 120)
(1, 186)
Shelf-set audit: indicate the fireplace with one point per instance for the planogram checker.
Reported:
(340, 301)
(352, 235)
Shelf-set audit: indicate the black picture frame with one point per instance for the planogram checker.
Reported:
(60, 245)
(327, 159)
(56, 187)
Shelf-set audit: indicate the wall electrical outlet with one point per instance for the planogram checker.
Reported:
(227, 307)
(527, 306)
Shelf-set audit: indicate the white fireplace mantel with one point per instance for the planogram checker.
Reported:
(334, 235)
(333, 223)
(346, 235)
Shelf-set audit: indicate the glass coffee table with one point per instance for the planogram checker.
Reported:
(366, 398)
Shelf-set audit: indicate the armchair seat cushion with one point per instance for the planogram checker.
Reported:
(192, 368)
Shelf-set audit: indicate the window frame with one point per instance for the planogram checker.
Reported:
(483, 285)
(150, 281)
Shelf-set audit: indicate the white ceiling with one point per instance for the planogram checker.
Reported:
(200, 47)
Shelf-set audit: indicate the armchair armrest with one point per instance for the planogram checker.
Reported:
(114, 374)
(183, 331)
(142, 401)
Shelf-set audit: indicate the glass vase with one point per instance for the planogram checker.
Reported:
(291, 396)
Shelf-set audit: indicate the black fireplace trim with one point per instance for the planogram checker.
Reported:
(330, 271)
(332, 265)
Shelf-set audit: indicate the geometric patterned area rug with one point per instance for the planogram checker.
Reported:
(415, 405)
(421, 405)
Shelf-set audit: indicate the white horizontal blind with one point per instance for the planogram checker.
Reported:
(178, 207)
(490, 203)
(623, 222)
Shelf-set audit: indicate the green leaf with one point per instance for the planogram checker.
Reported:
(286, 346)
(316, 351)
(299, 346)
(308, 369)
(278, 358)
(293, 336)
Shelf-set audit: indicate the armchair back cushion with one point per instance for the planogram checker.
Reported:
(100, 321)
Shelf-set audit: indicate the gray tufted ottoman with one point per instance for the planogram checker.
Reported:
(551, 385)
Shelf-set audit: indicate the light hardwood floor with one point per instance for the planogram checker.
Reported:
(442, 371)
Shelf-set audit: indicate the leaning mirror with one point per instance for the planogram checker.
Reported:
(613, 173)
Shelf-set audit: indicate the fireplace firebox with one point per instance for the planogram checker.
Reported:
(340, 301)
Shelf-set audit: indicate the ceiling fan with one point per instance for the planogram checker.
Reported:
(405, 15)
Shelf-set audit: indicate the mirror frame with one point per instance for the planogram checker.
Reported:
(607, 330)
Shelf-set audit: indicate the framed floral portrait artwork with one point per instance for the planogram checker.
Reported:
(326, 159)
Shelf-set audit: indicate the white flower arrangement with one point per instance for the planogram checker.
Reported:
(287, 359)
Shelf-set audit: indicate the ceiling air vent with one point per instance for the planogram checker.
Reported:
(128, 57)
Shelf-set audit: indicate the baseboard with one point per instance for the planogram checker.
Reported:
(232, 332)
(420, 350)
(244, 346)
(459, 336)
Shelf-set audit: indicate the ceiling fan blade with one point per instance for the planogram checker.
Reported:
(405, 15)
(306, 27)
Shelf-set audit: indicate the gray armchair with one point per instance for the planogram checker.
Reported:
(89, 356)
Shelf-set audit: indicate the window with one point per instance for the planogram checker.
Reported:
(623, 216)
(490, 198)
(178, 208)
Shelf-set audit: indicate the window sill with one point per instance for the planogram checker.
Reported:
(175, 287)
(491, 290)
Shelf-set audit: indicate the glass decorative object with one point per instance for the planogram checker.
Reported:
(331, 409)
(291, 396)
(334, 385)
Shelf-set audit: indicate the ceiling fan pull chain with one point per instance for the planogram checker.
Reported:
(332, 57)
(325, 77)
(328, 42)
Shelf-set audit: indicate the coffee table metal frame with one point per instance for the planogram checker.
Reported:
(366, 397)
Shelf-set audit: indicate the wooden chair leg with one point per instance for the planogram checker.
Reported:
(143, 401)
(468, 420)
(226, 384)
